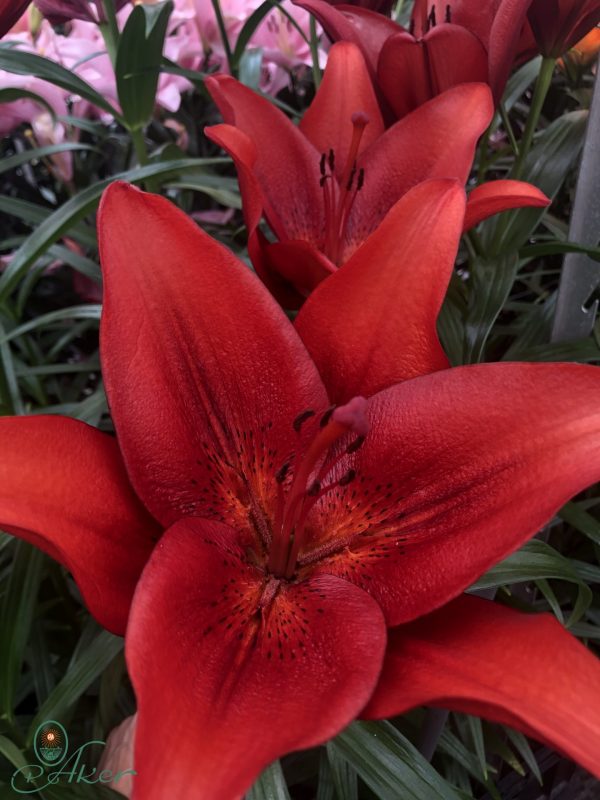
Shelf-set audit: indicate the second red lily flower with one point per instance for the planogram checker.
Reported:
(447, 44)
(326, 185)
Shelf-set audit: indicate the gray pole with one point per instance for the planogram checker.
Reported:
(580, 275)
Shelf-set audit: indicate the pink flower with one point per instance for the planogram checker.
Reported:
(284, 48)
(45, 129)
(118, 756)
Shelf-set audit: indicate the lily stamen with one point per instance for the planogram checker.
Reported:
(339, 194)
(307, 488)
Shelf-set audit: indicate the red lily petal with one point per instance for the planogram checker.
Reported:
(410, 72)
(443, 43)
(239, 668)
(403, 73)
(286, 164)
(503, 42)
(425, 144)
(419, 16)
(495, 196)
(496, 23)
(63, 487)
(373, 323)
(365, 28)
(522, 670)
(302, 265)
(10, 11)
(459, 469)
(324, 129)
(203, 393)
(559, 24)
(243, 152)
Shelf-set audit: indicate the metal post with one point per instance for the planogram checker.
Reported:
(581, 276)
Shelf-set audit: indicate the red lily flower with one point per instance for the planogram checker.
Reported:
(381, 6)
(412, 66)
(296, 533)
(327, 184)
(60, 11)
(557, 25)
(10, 11)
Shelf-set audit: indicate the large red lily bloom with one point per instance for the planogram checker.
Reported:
(412, 66)
(10, 11)
(557, 25)
(296, 533)
(327, 184)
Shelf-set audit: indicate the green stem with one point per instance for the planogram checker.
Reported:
(139, 143)
(110, 30)
(509, 130)
(542, 85)
(483, 146)
(141, 151)
(223, 31)
(314, 52)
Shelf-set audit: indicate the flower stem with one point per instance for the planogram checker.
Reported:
(137, 137)
(314, 52)
(483, 146)
(110, 30)
(542, 85)
(223, 31)
(141, 151)
(509, 130)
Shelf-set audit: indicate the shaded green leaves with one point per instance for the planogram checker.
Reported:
(139, 58)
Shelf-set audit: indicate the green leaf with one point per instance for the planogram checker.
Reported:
(450, 323)
(250, 67)
(11, 753)
(87, 666)
(9, 95)
(521, 745)
(270, 786)
(489, 289)
(59, 222)
(537, 561)
(343, 775)
(453, 747)
(325, 789)
(577, 350)
(37, 153)
(80, 263)
(88, 311)
(521, 81)
(547, 166)
(16, 616)
(33, 214)
(19, 63)
(582, 520)
(556, 248)
(390, 765)
(139, 57)
(476, 731)
(11, 401)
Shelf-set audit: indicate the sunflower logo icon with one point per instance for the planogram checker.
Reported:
(50, 742)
